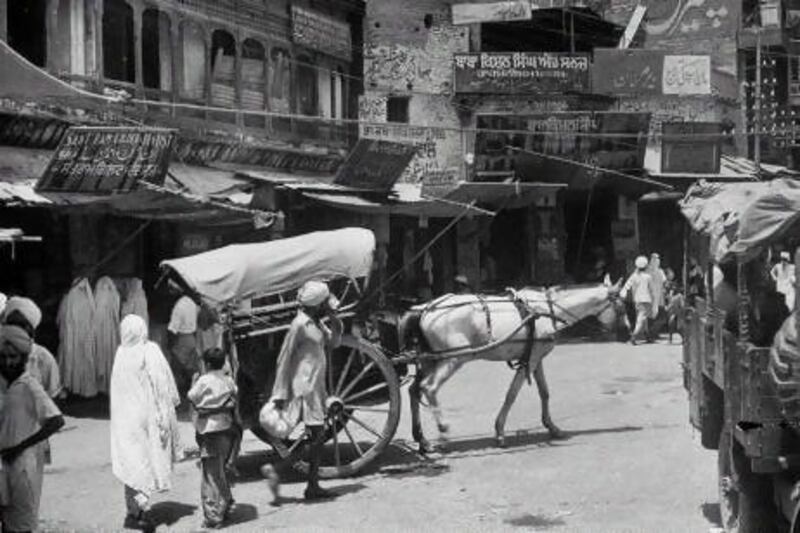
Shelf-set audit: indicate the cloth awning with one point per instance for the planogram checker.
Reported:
(194, 194)
(751, 212)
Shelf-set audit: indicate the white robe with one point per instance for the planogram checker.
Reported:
(144, 440)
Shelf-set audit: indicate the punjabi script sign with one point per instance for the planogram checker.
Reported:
(521, 72)
(106, 160)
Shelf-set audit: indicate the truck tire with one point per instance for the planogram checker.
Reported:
(745, 498)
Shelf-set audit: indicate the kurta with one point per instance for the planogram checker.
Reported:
(25, 408)
(143, 422)
(302, 367)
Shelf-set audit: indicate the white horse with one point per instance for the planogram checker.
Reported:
(456, 329)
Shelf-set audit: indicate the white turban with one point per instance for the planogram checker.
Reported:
(3, 301)
(27, 308)
(313, 293)
(641, 262)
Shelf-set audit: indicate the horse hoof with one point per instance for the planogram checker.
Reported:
(557, 434)
(425, 447)
(500, 441)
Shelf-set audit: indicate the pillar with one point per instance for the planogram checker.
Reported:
(51, 34)
(98, 49)
(3, 20)
(237, 79)
(138, 11)
(177, 57)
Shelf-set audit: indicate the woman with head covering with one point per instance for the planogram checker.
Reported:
(144, 441)
(24, 312)
(301, 371)
(659, 280)
(640, 286)
(27, 418)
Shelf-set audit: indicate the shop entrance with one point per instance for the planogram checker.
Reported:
(589, 237)
(506, 254)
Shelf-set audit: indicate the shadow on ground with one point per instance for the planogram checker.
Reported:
(712, 513)
(168, 513)
(92, 408)
(537, 522)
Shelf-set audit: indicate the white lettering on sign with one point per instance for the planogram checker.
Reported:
(687, 75)
(491, 12)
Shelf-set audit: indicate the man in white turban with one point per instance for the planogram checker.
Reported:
(27, 418)
(24, 313)
(640, 286)
(301, 373)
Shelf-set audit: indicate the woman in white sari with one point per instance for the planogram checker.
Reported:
(144, 432)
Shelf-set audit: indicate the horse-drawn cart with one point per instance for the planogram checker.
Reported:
(252, 288)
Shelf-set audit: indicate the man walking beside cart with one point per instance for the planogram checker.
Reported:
(302, 370)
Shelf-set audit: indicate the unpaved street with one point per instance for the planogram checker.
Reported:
(631, 462)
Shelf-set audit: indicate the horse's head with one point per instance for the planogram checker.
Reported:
(613, 316)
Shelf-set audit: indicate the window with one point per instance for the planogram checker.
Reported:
(194, 61)
(26, 29)
(397, 109)
(279, 80)
(119, 61)
(307, 103)
(254, 79)
(223, 68)
(794, 79)
(156, 50)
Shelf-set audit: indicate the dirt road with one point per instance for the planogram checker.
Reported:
(631, 462)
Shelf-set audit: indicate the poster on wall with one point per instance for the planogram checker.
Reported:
(321, 32)
(107, 160)
(521, 72)
(491, 12)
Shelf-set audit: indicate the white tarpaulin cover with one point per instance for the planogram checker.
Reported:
(768, 218)
(244, 271)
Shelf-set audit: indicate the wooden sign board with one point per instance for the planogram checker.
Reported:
(439, 183)
(107, 160)
(375, 165)
(521, 72)
(686, 149)
(650, 72)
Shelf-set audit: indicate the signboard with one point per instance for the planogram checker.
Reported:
(521, 72)
(565, 135)
(375, 165)
(685, 149)
(650, 72)
(322, 33)
(686, 75)
(197, 152)
(440, 182)
(106, 160)
(491, 12)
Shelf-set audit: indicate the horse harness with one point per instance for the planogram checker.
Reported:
(525, 312)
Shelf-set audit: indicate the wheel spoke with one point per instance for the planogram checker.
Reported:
(370, 409)
(353, 441)
(336, 458)
(344, 373)
(358, 378)
(295, 444)
(366, 392)
(366, 427)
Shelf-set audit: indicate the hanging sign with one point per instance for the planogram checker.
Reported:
(685, 75)
(521, 72)
(106, 160)
(650, 72)
(375, 165)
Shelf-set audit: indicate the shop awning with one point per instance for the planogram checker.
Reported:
(503, 195)
(193, 194)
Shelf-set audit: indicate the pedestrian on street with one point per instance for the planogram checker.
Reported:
(182, 335)
(301, 374)
(144, 436)
(213, 397)
(640, 286)
(783, 276)
(28, 417)
(659, 280)
(462, 285)
(24, 313)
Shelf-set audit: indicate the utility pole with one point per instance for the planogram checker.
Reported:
(757, 106)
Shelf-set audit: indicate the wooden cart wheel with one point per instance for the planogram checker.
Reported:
(745, 498)
(364, 395)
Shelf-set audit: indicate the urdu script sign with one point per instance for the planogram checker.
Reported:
(108, 160)
(521, 72)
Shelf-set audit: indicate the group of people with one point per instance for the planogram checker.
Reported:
(145, 441)
(653, 290)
